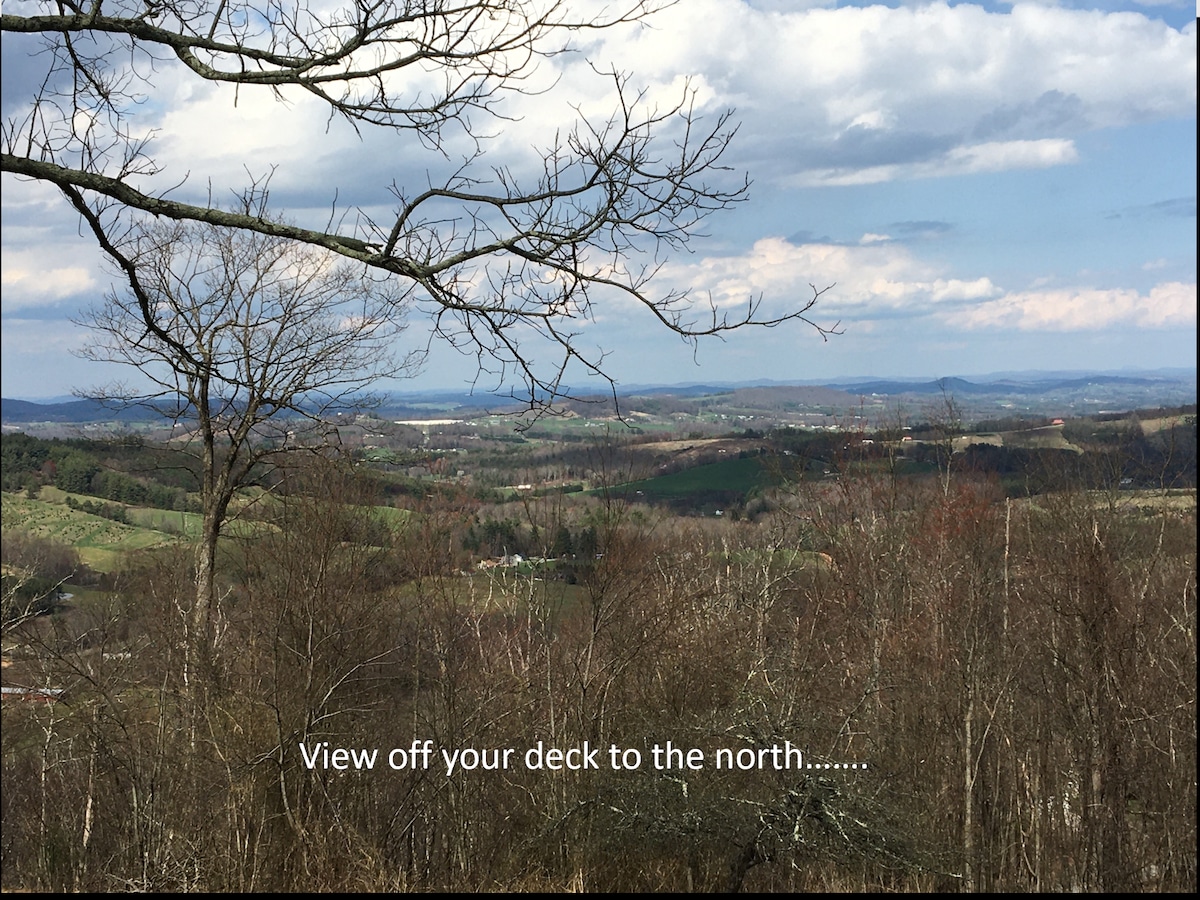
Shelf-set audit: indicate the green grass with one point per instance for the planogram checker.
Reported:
(741, 476)
(390, 515)
(186, 524)
(99, 541)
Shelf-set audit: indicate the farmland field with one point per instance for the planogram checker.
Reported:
(100, 541)
(739, 476)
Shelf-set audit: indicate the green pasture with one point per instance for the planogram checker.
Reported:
(99, 541)
(184, 524)
(740, 476)
(102, 542)
(394, 518)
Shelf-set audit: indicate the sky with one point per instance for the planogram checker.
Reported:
(983, 187)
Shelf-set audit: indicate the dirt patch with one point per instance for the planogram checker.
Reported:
(678, 446)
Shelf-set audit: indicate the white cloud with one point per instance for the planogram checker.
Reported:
(969, 160)
(861, 95)
(879, 281)
(998, 155)
(843, 95)
(1084, 309)
(826, 95)
(30, 279)
(876, 279)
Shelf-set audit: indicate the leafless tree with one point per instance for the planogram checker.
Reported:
(233, 329)
(501, 260)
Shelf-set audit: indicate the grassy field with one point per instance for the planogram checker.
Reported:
(391, 516)
(100, 542)
(783, 558)
(1049, 437)
(185, 524)
(740, 476)
(173, 522)
(506, 591)
(1153, 426)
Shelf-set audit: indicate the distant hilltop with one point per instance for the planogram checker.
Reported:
(1005, 386)
(1134, 389)
(72, 412)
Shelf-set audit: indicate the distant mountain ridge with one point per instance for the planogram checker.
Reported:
(434, 403)
(71, 412)
(1006, 386)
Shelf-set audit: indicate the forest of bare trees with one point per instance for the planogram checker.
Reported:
(874, 682)
(1015, 677)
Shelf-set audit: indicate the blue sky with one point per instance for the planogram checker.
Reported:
(989, 187)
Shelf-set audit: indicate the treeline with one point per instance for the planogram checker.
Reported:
(114, 511)
(491, 536)
(1017, 676)
(1110, 454)
(127, 471)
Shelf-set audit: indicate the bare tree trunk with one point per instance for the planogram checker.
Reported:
(968, 824)
(199, 651)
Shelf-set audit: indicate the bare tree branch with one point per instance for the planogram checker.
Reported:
(504, 262)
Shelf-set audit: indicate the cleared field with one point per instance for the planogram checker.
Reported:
(100, 541)
(1049, 437)
(676, 446)
(1152, 426)
(173, 522)
(783, 558)
(505, 591)
(967, 440)
(734, 475)
(391, 516)
(185, 524)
